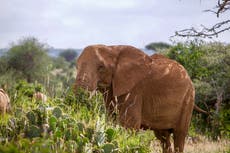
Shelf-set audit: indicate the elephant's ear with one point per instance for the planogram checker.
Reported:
(131, 68)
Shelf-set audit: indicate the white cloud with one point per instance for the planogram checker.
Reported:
(105, 4)
(77, 23)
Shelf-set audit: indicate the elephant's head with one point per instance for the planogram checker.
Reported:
(119, 67)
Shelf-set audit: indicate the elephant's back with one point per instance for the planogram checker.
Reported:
(163, 93)
(168, 71)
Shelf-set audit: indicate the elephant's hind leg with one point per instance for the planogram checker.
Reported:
(181, 130)
(164, 137)
(179, 140)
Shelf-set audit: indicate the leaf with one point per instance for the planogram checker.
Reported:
(110, 134)
(33, 131)
(81, 126)
(58, 133)
(31, 117)
(99, 138)
(108, 148)
(89, 133)
(52, 122)
(57, 112)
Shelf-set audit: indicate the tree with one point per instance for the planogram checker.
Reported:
(29, 59)
(156, 46)
(69, 54)
(221, 7)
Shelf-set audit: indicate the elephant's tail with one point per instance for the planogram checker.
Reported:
(198, 109)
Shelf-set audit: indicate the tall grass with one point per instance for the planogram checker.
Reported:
(75, 124)
(65, 124)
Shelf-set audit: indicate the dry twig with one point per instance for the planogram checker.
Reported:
(221, 7)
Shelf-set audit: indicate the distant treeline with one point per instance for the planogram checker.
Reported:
(54, 52)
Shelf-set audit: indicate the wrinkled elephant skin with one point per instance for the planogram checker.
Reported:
(149, 92)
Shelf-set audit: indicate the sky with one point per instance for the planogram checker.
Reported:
(78, 23)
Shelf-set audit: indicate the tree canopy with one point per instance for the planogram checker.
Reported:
(156, 46)
(28, 58)
(69, 54)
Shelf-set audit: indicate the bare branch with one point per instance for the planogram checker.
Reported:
(205, 32)
(221, 7)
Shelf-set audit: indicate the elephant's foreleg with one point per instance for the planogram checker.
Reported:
(110, 103)
(130, 111)
(164, 137)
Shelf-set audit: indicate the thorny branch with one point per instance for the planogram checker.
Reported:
(221, 7)
(205, 32)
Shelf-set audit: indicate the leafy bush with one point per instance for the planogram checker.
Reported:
(158, 46)
(28, 58)
(65, 124)
(69, 55)
(78, 123)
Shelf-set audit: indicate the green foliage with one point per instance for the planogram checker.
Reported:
(3, 64)
(28, 89)
(108, 148)
(110, 134)
(29, 59)
(8, 149)
(225, 121)
(69, 55)
(60, 63)
(33, 131)
(8, 80)
(55, 74)
(61, 78)
(57, 112)
(77, 122)
(190, 58)
(31, 117)
(158, 46)
(67, 124)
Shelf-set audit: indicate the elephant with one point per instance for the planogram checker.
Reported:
(4, 102)
(149, 92)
